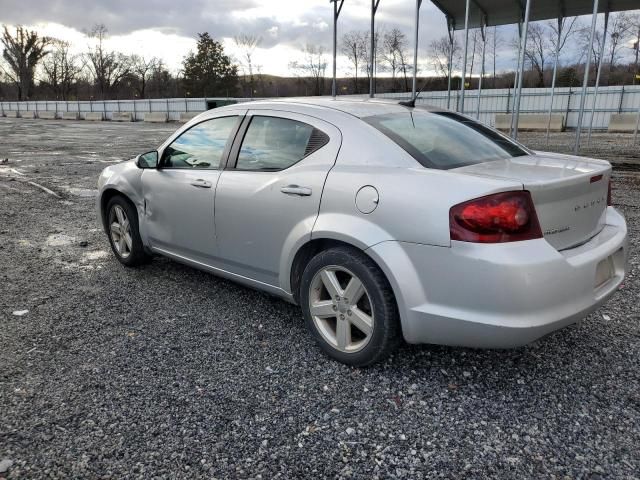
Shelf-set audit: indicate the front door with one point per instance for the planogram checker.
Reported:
(179, 195)
(270, 195)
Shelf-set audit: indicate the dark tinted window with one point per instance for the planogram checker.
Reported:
(445, 140)
(201, 146)
(273, 143)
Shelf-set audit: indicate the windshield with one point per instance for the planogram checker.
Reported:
(445, 140)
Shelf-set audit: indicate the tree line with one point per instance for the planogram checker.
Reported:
(393, 51)
(37, 67)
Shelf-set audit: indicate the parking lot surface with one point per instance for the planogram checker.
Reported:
(168, 372)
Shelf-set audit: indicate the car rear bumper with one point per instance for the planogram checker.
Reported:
(501, 295)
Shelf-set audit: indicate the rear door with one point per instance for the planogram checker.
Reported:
(268, 197)
(180, 194)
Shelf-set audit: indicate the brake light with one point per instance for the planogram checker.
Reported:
(609, 194)
(497, 218)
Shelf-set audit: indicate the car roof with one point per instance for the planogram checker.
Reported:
(358, 107)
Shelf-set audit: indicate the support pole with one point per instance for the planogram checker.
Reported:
(372, 52)
(452, 38)
(515, 77)
(555, 74)
(595, 91)
(415, 49)
(635, 133)
(464, 61)
(483, 33)
(523, 48)
(336, 14)
(585, 82)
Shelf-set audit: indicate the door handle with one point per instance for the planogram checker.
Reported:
(296, 190)
(200, 183)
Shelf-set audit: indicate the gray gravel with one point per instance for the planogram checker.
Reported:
(167, 372)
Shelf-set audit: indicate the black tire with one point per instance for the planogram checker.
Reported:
(137, 255)
(385, 336)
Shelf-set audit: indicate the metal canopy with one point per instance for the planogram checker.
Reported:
(508, 12)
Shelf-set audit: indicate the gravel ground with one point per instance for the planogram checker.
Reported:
(168, 372)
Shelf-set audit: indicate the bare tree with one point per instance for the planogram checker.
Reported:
(595, 45)
(618, 32)
(22, 53)
(367, 68)
(108, 68)
(394, 45)
(143, 68)
(495, 41)
(312, 68)
(569, 27)
(61, 69)
(620, 27)
(161, 83)
(537, 51)
(354, 47)
(248, 44)
(440, 51)
(476, 38)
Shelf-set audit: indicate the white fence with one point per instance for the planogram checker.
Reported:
(172, 106)
(534, 100)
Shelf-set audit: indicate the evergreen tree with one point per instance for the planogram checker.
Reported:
(209, 72)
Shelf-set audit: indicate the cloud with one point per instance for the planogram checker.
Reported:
(168, 28)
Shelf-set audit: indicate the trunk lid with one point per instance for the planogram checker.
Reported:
(569, 193)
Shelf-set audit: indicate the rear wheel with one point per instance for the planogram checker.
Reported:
(124, 235)
(349, 307)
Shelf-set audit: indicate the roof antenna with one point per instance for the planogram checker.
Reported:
(412, 103)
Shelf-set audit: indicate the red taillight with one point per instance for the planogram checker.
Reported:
(498, 218)
(609, 194)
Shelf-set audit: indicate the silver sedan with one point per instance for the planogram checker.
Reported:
(382, 221)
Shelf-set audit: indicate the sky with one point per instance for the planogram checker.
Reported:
(168, 28)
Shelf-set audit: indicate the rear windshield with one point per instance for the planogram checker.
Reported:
(445, 140)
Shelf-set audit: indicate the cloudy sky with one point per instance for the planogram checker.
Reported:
(167, 28)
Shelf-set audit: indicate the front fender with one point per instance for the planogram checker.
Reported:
(126, 179)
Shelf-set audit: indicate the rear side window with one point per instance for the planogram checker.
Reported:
(273, 143)
(445, 140)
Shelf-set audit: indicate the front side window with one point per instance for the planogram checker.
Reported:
(445, 140)
(273, 143)
(201, 146)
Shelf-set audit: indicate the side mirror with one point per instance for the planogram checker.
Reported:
(147, 160)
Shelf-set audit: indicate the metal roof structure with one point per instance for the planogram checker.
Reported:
(509, 12)
(467, 14)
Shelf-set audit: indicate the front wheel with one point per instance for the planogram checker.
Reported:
(124, 236)
(349, 307)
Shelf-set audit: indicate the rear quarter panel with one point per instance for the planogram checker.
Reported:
(414, 201)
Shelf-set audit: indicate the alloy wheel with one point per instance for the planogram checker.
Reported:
(341, 309)
(120, 230)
